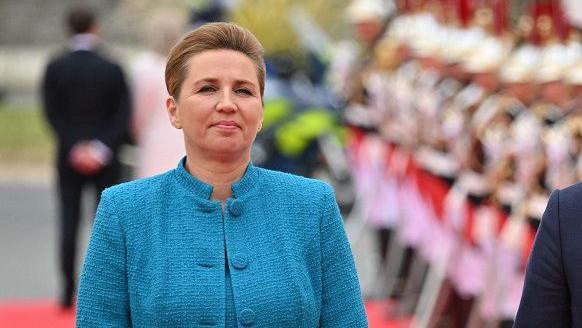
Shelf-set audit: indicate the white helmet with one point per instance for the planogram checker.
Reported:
(555, 61)
(520, 67)
(486, 57)
(364, 10)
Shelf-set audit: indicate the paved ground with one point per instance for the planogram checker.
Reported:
(28, 238)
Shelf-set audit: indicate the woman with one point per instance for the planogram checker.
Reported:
(217, 241)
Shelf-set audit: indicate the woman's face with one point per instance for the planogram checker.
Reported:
(219, 105)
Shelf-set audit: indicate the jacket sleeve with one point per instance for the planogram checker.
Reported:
(545, 301)
(52, 102)
(342, 304)
(118, 130)
(103, 296)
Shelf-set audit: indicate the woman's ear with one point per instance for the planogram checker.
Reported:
(262, 117)
(173, 113)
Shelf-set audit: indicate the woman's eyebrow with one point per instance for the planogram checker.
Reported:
(215, 80)
(208, 79)
(243, 81)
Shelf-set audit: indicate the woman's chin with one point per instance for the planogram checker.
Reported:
(227, 148)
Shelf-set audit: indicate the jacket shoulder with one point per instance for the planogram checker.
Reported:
(569, 204)
(67, 57)
(58, 59)
(107, 60)
(136, 192)
(294, 184)
(571, 193)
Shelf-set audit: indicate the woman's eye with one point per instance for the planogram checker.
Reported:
(207, 88)
(244, 91)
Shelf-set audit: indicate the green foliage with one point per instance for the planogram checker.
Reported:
(268, 20)
(24, 136)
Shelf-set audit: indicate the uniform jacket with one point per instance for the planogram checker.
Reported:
(552, 295)
(159, 246)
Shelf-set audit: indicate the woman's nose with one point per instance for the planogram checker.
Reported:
(226, 102)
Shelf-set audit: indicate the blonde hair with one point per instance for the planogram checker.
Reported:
(212, 36)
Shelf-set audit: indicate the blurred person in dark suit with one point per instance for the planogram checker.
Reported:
(86, 101)
(553, 282)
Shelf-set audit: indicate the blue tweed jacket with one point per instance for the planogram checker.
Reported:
(163, 255)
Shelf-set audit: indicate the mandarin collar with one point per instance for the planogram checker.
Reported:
(204, 190)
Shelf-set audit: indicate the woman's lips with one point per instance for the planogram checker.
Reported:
(227, 125)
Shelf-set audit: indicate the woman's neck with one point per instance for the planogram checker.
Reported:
(219, 174)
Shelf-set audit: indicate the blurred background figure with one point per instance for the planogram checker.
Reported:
(86, 101)
(159, 145)
(209, 12)
(353, 61)
(353, 80)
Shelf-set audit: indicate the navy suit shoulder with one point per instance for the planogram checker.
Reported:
(552, 294)
(571, 199)
(70, 65)
(63, 57)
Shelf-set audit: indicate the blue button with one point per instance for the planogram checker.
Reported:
(240, 261)
(235, 208)
(247, 317)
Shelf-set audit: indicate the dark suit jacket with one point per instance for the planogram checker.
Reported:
(86, 97)
(552, 295)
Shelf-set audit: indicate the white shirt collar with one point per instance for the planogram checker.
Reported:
(84, 41)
